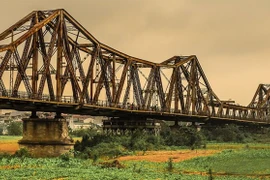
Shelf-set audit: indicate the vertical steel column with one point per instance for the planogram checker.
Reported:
(59, 59)
(35, 67)
(35, 61)
(113, 78)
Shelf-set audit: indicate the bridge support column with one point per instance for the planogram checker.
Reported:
(45, 137)
(175, 126)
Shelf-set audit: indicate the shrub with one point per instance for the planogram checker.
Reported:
(91, 132)
(227, 133)
(15, 128)
(22, 153)
(185, 136)
(170, 165)
(113, 164)
(5, 155)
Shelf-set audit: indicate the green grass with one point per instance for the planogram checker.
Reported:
(57, 168)
(15, 139)
(9, 139)
(245, 162)
(229, 164)
(223, 146)
(236, 162)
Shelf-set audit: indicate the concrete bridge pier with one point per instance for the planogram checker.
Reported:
(44, 137)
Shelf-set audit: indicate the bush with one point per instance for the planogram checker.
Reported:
(237, 134)
(5, 155)
(113, 146)
(111, 149)
(227, 133)
(22, 153)
(15, 128)
(184, 136)
(82, 132)
(170, 165)
(113, 164)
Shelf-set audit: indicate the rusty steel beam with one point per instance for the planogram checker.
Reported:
(59, 59)
(47, 61)
(89, 77)
(121, 83)
(22, 73)
(7, 32)
(30, 32)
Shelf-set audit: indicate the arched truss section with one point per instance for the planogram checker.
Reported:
(261, 100)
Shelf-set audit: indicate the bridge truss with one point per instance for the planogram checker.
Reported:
(50, 62)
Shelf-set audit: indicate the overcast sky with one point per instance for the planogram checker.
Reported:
(231, 38)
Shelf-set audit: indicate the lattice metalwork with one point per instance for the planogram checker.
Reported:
(58, 60)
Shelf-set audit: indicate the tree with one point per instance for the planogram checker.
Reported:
(15, 128)
(184, 136)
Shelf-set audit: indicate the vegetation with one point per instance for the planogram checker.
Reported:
(95, 145)
(15, 128)
(229, 164)
(96, 156)
(233, 133)
(9, 139)
(81, 132)
(114, 146)
(244, 161)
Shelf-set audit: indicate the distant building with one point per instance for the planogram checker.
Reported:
(83, 121)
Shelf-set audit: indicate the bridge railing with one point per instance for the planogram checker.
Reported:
(131, 106)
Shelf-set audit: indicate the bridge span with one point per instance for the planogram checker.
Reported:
(50, 62)
(103, 108)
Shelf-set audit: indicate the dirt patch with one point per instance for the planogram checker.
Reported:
(163, 156)
(9, 147)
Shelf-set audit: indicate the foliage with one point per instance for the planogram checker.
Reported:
(72, 168)
(170, 165)
(15, 128)
(5, 155)
(243, 161)
(112, 164)
(114, 146)
(22, 153)
(234, 133)
(1, 130)
(83, 132)
(184, 136)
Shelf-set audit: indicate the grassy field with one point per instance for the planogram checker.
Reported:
(245, 162)
(62, 168)
(10, 139)
(222, 146)
(232, 162)
(14, 139)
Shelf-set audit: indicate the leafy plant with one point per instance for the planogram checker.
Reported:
(170, 165)
(15, 128)
(22, 153)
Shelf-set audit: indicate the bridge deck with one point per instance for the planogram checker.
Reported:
(102, 109)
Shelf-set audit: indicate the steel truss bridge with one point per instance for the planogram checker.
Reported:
(50, 62)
